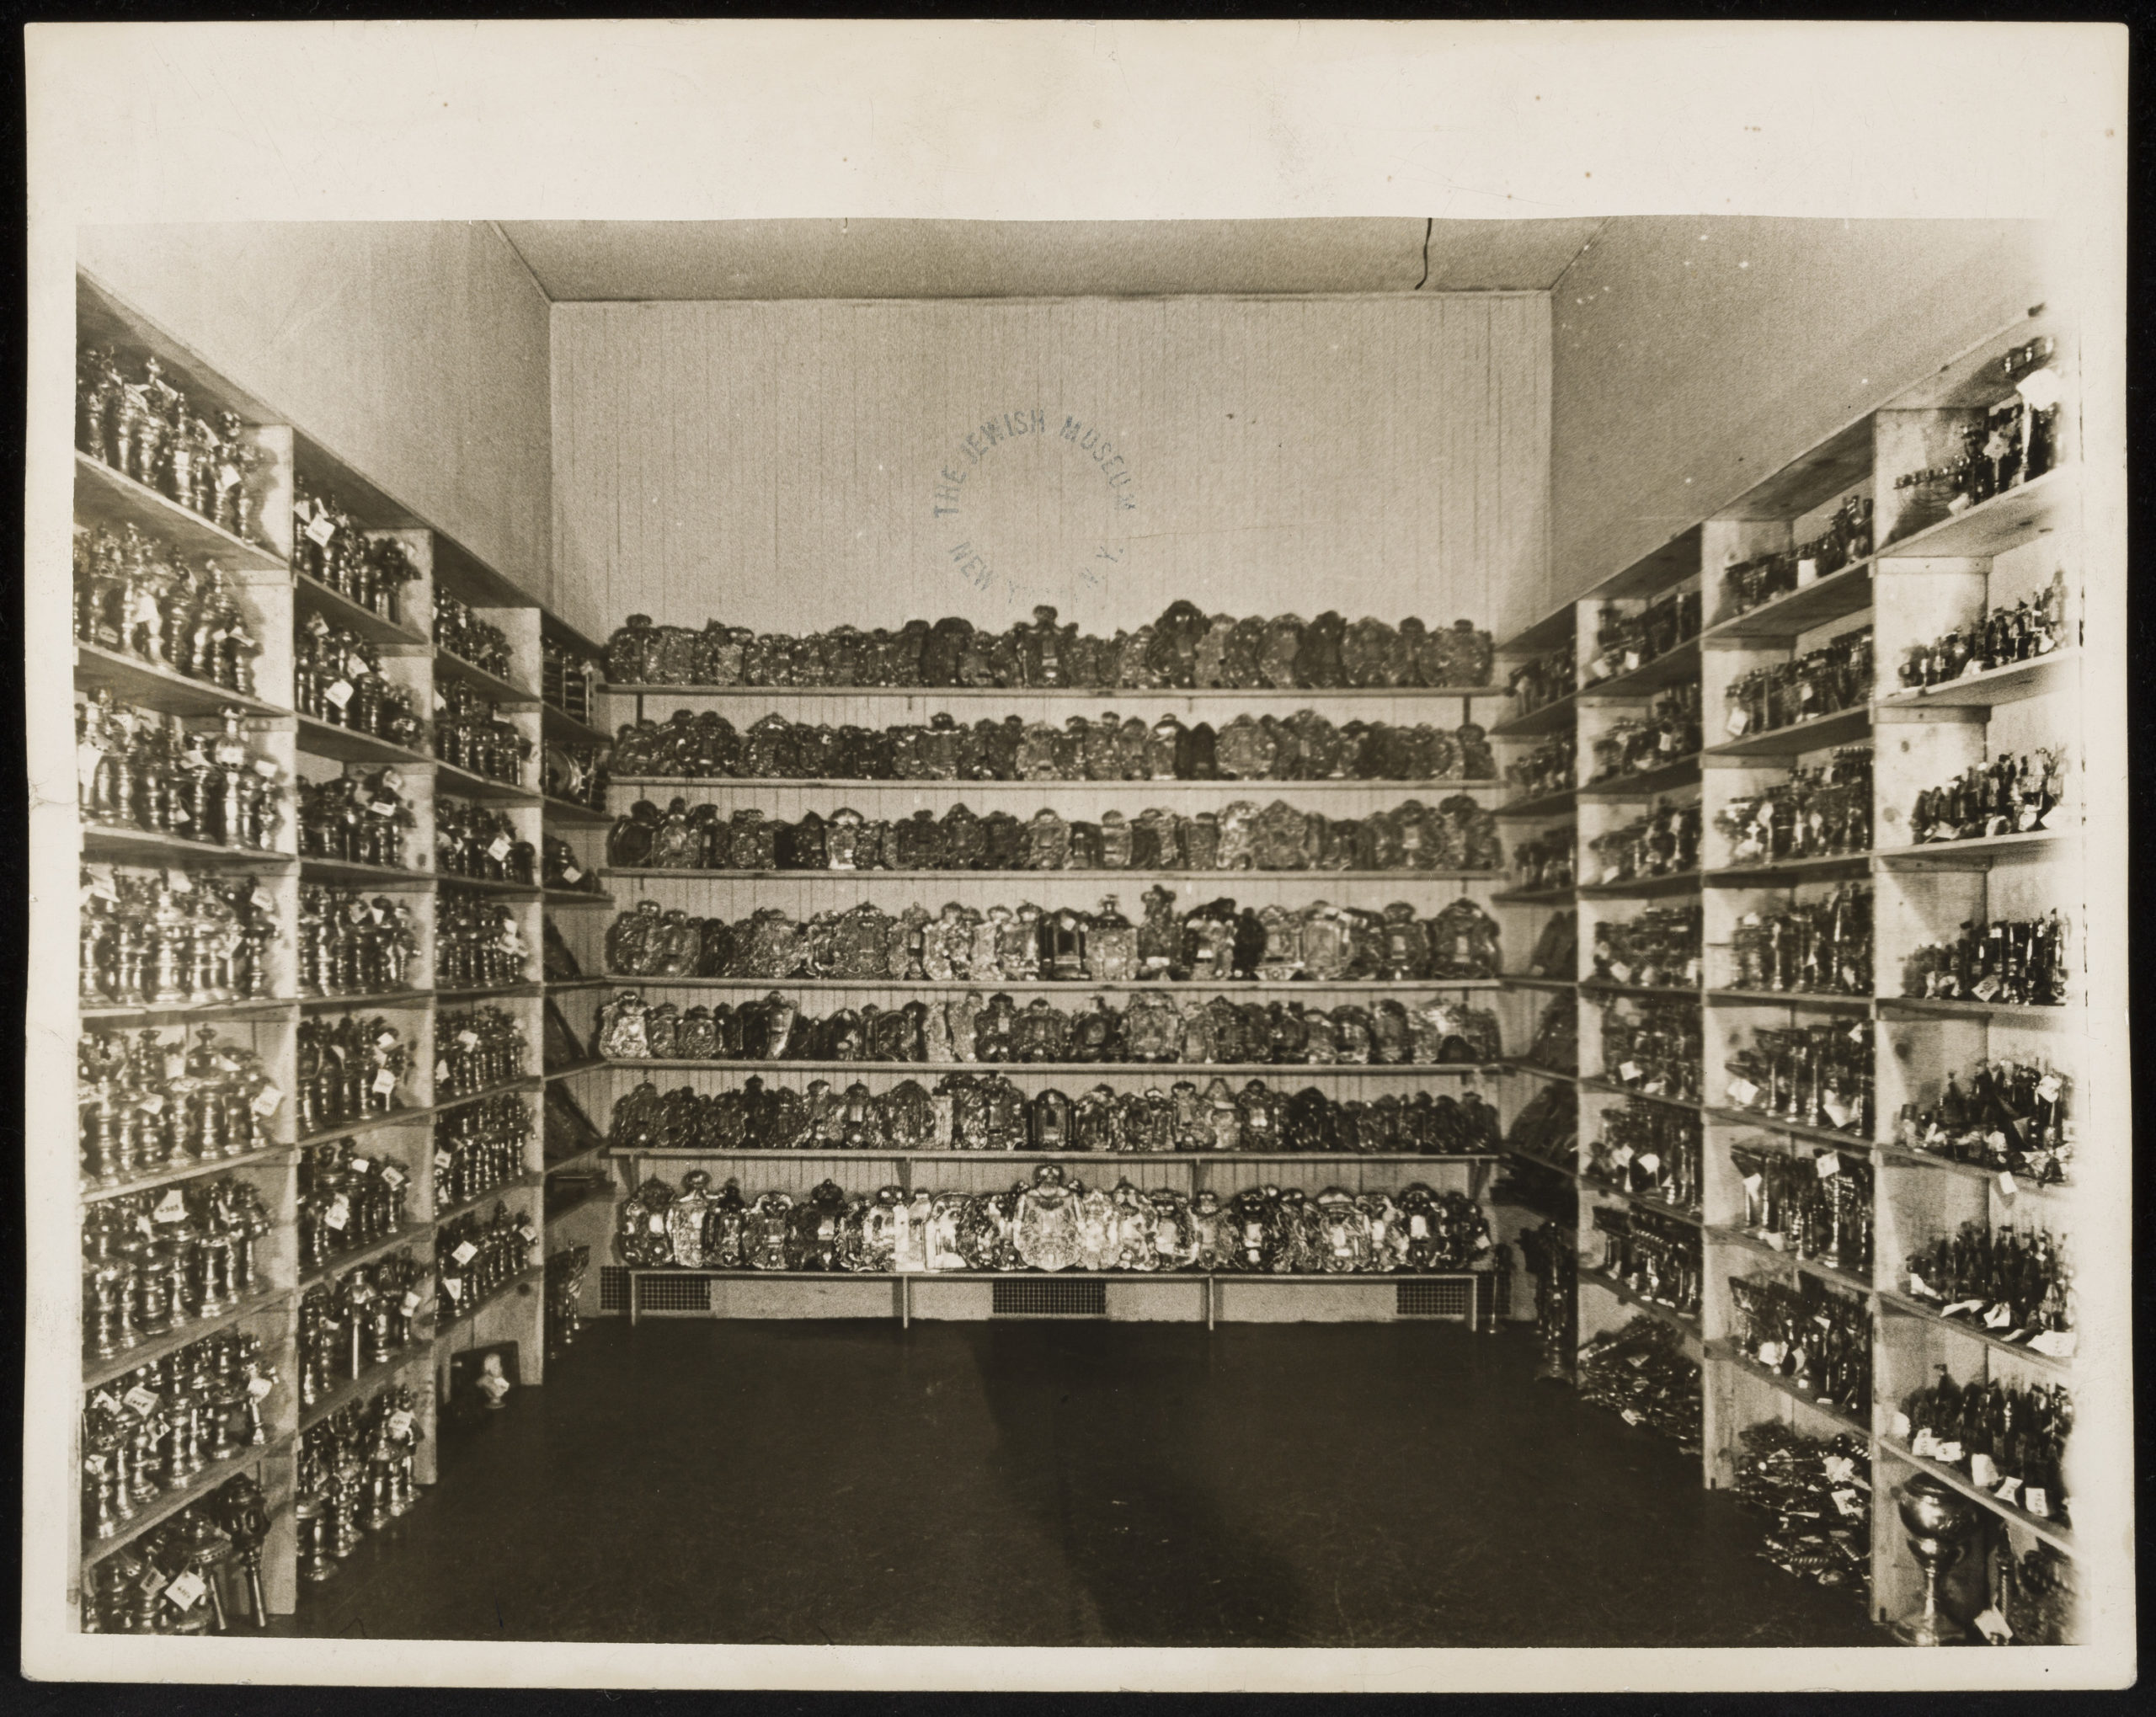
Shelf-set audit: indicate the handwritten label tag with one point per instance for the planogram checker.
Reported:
(1739, 722)
(2007, 1189)
(179, 882)
(140, 1401)
(1949, 1453)
(1829, 1165)
(1629, 1072)
(499, 850)
(266, 1101)
(1650, 1164)
(444, 1162)
(468, 1040)
(154, 1104)
(338, 692)
(2053, 1344)
(320, 529)
(1743, 1093)
(571, 873)
(1982, 1469)
(1993, 1626)
(1999, 1316)
(400, 1425)
(172, 1208)
(1620, 971)
(464, 1254)
(409, 1303)
(453, 1287)
(186, 1591)
(1418, 1227)
(1848, 1502)
(106, 1401)
(392, 1176)
(384, 1082)
(2037, 1502)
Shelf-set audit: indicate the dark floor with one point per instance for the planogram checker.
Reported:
(1079, 1484)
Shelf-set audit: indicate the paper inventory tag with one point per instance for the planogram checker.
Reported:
(266, 1101)
(499, 850)
(1999, 1316)
(1739, 722)
(105, 1400)
(443, 1159)
(1650, 1164)
(338, 1214)
(1901, 1426)
(1622, 1156)
(1620, 971)
(2037, 1502)
(1949, 1453)
(2006, 1186)
(468, 1040)
(1993, 1626)
(1828, 1165)
(179, 882)
(384, 1082)
(140, 1401)
(1743, 1093)
(186, 1591)
(1848, 1502)
(172, 1208)
(393, 1175)
(258, 1387)
(1629, 1072)
(400, 1424)
(154, 1104)
(338, 692)
(2053, 1344)
(464, 1254)
(320, 529)
(409, 1303)
(2007, 1490)
(570, 873)
(1770, 1353)
(360, 1165)
(453, 1286)
(1982, 1469)
(1418, 1227)
(1924, 1443)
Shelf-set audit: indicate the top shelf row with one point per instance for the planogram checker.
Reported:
(1965, 467)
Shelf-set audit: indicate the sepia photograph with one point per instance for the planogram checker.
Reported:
(1223, 857)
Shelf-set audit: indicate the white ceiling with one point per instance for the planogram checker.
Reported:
(708, 259)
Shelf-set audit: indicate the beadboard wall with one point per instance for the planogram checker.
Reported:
(797, 465)
(416, 351)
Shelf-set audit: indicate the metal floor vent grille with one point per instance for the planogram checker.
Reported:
(1435, 1299)
(674, 1294)
(1050, 1299)
(613, 1287)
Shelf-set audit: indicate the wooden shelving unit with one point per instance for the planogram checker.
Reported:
(1909, 591)
(275, 600)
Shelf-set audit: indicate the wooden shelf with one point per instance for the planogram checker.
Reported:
(106, 843)
(496, 1194)
(1786, 871)
(590, 1064)
(151, 1515)
(1908, 1306)
(1610, 1088)
(1906, 1156)
(1899, 1007)
(1558, 712)
(1828, 1273)
(418, 1350)
(1240, 1069)
(486, 885)
(345, 873)
(1063, 986)
(312, 595)
(2057, 1536)
(506, 1292)
(875, 1154)
(1533, 896)
(1726, 1352)
(2017, 680)
(2005, 521)
(1849, 1142)
(321, 739)
(1523, 981)
(1594, 987)
(380, 998)
(1653, 1308)
(650, 874)
(1842, 727)
(1826, 1000)
(575, 897)
(1647, 783)
(567, 811)
(1244, 789)
(130, 680)
(1089, 696)
(1639, 1201)
(96, 1192)
(1846, 591)
(1677, 882)
(1529, 1067)
(1979, 854)
(104, 495)
(112, 1013)
(368, 1123)
(1681, 661)
(149, 1352)
(344, 1262)
(556, 723)
(491, 686)
(481, 992)
(463, 784)
(1540, 805)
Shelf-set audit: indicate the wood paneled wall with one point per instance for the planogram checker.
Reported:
(416, 351)
(1693, 357)
(789, 465)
